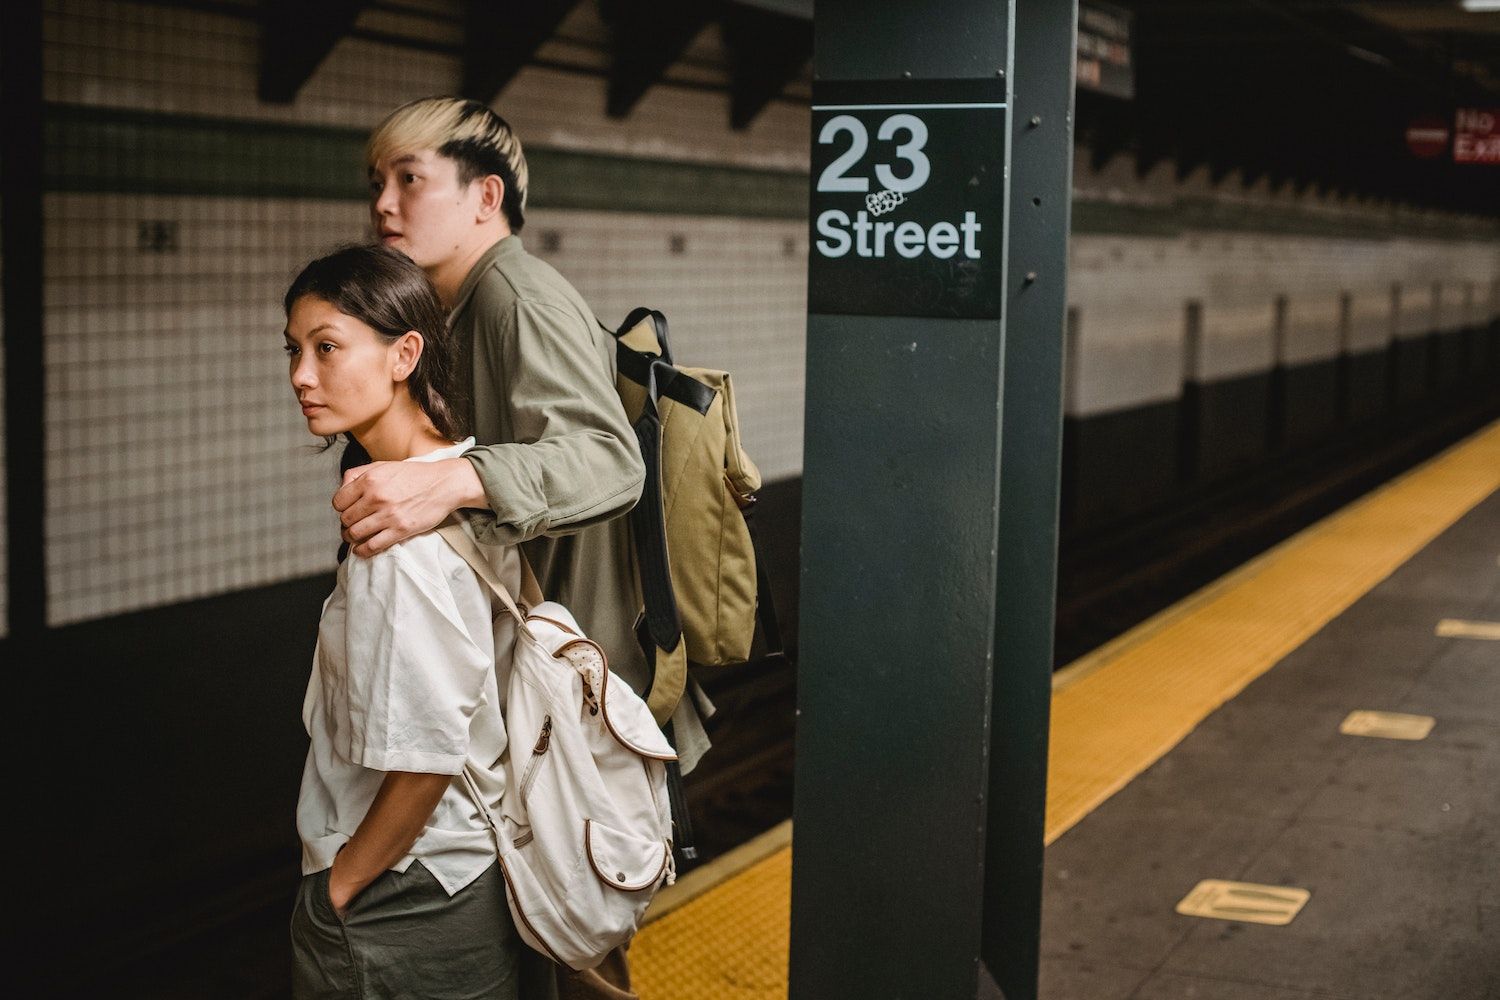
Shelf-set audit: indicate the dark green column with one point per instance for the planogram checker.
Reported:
(941, 165)
(1030, 460)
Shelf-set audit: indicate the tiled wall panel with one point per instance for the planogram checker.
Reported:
(1131, 296)
(177, 462)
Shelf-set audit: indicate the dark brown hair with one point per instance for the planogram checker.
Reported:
(383, 289)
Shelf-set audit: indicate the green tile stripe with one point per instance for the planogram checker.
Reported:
(133, 152)
(105, 150)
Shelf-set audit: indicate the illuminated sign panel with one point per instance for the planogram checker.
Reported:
(1476, 135)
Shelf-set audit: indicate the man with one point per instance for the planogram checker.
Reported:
(558, 462)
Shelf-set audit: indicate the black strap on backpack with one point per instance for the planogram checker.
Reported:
(648, 526)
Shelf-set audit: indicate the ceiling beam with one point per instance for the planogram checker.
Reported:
(767, 51)
(500, 38)
(295, 38)
(648, 39)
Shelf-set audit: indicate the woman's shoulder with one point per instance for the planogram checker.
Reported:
(425, 558)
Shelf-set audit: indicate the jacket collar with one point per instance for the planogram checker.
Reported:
(506, 248)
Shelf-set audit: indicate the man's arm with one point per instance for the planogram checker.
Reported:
(573, 461)
(402, 807)
(384, 502)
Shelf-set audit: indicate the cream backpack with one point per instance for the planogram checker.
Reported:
(584, 831)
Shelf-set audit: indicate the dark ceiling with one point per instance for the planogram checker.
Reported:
(1311, 93)
(1304, 92)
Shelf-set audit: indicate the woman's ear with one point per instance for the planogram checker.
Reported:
(407, 351)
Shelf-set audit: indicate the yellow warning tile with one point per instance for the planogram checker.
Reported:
(1244, 901)
(1116, 711)
(1457, 628)
(1387, 725)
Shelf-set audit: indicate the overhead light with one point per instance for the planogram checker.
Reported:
(1480, 6)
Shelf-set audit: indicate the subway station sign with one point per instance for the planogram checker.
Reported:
(908, 198)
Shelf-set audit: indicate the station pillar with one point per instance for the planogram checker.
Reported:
(941, 171)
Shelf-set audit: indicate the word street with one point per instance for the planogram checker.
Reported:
(908, 239)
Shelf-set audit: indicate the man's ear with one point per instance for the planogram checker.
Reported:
(408, 353)
(491, 197)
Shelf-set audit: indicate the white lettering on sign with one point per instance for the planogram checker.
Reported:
(908, 239)
(1476, 136)
(833, 177)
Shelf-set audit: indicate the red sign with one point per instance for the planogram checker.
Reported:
(1476, 135)
(1427, 137)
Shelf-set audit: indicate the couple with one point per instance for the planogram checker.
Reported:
(465, 376)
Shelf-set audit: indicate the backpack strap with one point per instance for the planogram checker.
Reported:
(666, 672)
(765, 605)
(531, 592)
(648, 527)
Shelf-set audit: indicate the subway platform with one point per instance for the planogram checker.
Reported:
(1320, 730)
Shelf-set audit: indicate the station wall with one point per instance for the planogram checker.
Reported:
(180, 206)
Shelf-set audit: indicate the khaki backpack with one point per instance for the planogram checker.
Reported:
(702, 587)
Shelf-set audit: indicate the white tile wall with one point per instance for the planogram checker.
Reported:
(177, 462)
(1131, 295)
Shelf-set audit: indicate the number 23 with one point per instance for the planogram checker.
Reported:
(833, 179)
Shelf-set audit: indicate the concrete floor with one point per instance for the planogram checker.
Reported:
(1399, 842)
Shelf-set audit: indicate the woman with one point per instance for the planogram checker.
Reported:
(400, 895)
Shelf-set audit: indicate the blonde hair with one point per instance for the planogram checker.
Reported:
(467, 132)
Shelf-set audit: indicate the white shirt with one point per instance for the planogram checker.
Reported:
(404, 679)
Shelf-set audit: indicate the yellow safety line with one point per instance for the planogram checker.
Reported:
(1116, 711)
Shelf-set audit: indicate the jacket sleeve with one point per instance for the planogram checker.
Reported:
(573, 459)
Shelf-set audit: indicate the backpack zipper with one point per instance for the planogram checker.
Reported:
(537, 752)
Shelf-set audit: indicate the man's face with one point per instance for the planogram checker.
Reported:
(418, 206)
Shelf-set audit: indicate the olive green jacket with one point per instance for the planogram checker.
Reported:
(556, 453)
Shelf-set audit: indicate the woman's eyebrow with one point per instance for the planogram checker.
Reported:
(317, 329)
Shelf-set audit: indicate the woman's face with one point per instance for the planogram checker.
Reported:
(345, 374)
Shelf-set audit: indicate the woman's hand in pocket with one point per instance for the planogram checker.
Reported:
(340, 893)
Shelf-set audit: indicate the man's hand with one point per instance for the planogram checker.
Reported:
(387, 502)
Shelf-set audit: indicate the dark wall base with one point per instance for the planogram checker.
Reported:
(1118, 463)
(182, 726)
(1122, 464)
(1368, 391)
(1312, 403)
(1412, 361)
(1233, 417)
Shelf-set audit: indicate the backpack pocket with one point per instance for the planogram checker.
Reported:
(622, 861)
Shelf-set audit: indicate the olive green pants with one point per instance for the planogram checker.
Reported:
(405, 937)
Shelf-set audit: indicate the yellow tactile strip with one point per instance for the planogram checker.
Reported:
(1119, 709)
